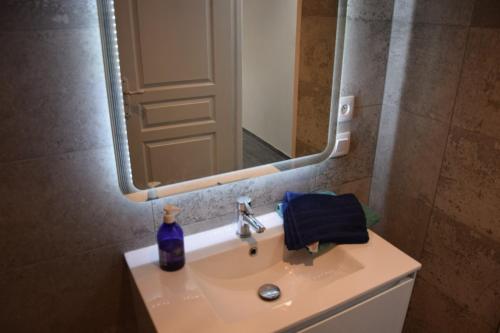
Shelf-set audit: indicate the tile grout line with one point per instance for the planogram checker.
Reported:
(367, 105)
(383, 102)
(450, 125)
(413, 113)
(379, 118)
(77, 253)
(42, 31)
(451, 25)
(55, 155)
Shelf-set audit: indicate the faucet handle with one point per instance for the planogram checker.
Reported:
(245, 204)
(244, 199)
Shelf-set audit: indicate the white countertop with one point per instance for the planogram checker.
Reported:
(176, 302)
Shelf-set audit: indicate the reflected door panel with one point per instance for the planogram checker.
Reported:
(178, 68)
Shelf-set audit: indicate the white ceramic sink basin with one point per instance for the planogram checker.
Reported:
(233, 277)
(218, 285)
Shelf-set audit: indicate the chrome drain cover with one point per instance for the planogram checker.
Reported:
(269, 292)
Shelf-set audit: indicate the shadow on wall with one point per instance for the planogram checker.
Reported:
(390, 131)
(436, 168)
(420, 90)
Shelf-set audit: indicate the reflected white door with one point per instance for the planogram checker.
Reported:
(178, 63)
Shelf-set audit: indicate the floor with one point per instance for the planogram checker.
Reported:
(258, 152)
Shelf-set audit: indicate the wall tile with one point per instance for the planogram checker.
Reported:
(28, 296)
(100, 214)
(47, 14)
(469, 187)
(97, 280)
(425, 67)
(478, 102)
(456, 256)
(361, 188)
(53, 94)
(65, 204)
(367, 45)
(404, 218)
(359, 162)
(315, 83)
(20, 220)
(319, 8)
(410, 149)
(317, 47)
(431, 311)
(486, 14)
(314, 116)
(372, 10)
(449, 12)
(413, 325)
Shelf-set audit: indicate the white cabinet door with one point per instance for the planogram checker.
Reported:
(383, 313)
(178, 61)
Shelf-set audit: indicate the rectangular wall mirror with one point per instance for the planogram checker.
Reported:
(224, 89)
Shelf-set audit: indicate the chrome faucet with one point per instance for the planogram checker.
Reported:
(246, 219)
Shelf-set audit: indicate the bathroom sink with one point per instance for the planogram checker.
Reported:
(219, 284)
(234, 276)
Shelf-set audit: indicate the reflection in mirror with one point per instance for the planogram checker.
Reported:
(212, 86)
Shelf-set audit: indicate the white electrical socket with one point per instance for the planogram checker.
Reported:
(346, 109)
(342, 144)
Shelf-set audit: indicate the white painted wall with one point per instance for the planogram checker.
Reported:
(268, 62)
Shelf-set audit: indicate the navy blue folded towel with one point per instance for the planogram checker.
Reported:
(308, 218)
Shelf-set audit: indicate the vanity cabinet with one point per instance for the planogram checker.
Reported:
(354, 288)
(383, 313)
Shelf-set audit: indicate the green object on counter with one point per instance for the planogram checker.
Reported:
(372, 217)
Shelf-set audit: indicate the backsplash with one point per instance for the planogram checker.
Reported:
(64, 221)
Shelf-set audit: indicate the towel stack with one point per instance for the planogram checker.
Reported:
(323, 218)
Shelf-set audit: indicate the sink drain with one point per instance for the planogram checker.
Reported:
(269, 292)
(253, 251)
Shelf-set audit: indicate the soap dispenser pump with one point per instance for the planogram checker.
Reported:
(171, 241)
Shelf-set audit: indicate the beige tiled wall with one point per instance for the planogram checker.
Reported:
(317, 46)
(64, 223)
(437, 166)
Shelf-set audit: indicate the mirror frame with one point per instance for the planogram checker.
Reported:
(109, 42)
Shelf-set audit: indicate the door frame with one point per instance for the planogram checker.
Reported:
(238, 7)
(296, 79)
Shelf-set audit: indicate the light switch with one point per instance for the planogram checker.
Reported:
(342, 144)
(346, 109)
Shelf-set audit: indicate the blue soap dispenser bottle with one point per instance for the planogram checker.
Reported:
(170, 241)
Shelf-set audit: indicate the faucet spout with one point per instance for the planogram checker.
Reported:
(245, 218)
(254, 223)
